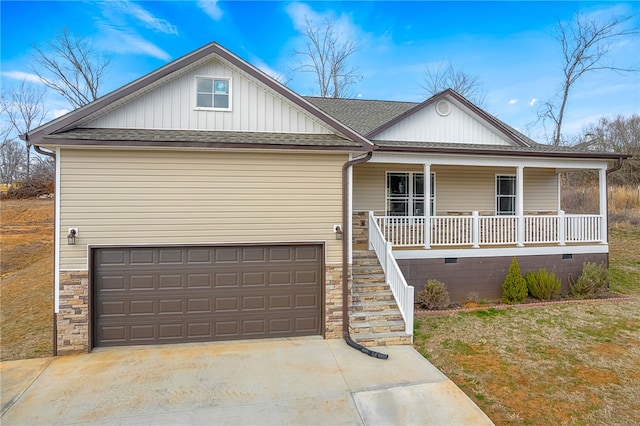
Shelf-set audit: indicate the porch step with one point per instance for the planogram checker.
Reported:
(374, 317)
(383, 339)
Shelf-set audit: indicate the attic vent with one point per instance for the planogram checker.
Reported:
(443, 108)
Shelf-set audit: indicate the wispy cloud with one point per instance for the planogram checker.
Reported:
(145, 17)
(124, 41)
(211, 8)
(21, 75)
(513, 101)
(533, 101)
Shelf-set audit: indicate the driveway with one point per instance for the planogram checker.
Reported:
(280, 381)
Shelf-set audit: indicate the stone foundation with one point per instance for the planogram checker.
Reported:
(333, 302)
(73, 315)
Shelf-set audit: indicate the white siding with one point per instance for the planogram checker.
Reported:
(160, 197)
(460, 126)
(171, 105)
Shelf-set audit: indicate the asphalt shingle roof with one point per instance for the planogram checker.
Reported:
(204, 137)
(363, 116)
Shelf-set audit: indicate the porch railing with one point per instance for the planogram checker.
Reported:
(477, 231)
(402, 292)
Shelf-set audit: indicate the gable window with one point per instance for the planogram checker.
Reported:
(405, 194)
(505, 195)
(213, 93)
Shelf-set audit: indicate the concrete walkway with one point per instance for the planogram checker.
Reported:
(266, 382)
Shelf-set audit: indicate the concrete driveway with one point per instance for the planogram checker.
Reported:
(300, 381)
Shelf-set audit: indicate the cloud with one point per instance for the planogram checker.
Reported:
(59, 112)
(120, 41)
(513, 101)
(211, 8)
(533, 101)
(146, 17)
(21, 75)
(343, 25)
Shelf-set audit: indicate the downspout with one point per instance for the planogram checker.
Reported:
(615, 168)
(346, 240)
(39, 150)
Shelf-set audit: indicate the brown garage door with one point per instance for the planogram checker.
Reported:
(150, 295)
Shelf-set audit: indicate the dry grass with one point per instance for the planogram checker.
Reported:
(26, 287)
(574, 363)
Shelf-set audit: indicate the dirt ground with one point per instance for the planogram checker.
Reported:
(26, 280)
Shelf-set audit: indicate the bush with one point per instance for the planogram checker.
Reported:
(514, 288)
(542, 284)
(434, 296)
(592, 283)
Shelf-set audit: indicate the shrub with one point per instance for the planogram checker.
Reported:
(592, 283)
(543, 284)
(434, 296)
(514, 288)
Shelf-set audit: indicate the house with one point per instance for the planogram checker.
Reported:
(206, 201)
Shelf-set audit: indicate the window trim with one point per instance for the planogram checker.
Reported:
(514, 195)
(411, 198)
(213, 78)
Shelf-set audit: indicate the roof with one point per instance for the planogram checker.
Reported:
(363, 116)
(197, 138)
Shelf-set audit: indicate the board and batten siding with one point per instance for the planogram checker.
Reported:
(426, 125)
(458, 189)
(168, 197)
(172, 105)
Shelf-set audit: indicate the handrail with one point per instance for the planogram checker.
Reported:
(475, 230)
(402, 292)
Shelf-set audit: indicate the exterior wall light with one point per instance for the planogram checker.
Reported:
(71, 236)
(338, 231)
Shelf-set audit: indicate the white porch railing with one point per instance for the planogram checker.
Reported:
(477, 231)
(402, 292)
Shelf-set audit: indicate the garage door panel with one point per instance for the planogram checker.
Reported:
(188, 294)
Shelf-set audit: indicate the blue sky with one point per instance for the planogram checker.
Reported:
(507, 45)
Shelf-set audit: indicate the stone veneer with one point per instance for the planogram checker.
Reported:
(333, 302)
(73, 315)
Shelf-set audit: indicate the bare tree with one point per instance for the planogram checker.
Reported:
(24, 109)
(12, 160)
(620, 134)
(327, 57)
(72, 67)
(585, 44)
(446, 76)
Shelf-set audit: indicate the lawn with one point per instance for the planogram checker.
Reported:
(573, 363)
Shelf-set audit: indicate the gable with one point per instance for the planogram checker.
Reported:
(445, 120)
(172, 105)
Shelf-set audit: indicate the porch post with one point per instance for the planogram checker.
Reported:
(427, 206)
(520, 204)
(602, 180)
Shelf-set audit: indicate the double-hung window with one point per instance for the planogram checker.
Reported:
(405, 194)
(213, 93)
(505, 195)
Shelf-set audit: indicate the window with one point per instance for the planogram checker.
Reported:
(405, 194)
(506, 195)
(213, 93)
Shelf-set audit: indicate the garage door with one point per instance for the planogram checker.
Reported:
(151, 295)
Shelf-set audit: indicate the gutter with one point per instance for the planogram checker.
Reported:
(38, 149)
(346, 240)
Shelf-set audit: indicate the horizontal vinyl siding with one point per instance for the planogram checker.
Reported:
(166, 197)
(172, 106)
(540, 190)
(458, 189)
